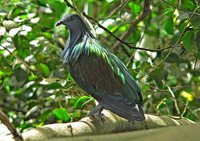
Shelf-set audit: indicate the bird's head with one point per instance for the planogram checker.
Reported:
(73, 21)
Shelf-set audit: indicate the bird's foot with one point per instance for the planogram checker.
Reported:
(96, 114)
(93, 114)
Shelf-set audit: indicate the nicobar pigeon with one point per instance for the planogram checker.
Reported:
(99, 72)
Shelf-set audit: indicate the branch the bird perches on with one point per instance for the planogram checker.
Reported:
(109, 123)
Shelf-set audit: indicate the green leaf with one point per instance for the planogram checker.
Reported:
(169, 12)
(76, 114)
(182, 26)
(195, 20)
(171, 1)
(47, 22)
(62, 114)
(135, 7)
(44, 68)
(122, 28)
(169, 26)
(175, 58)
(22, 45)
(53, 86)
(135, 37)
(20, 74)
(48, 35)
(187, 95)
(57, 6)
(24, 52)
(7, 88)
(45, 115)
(79, 103)
(187, 4)
(32, 77)
(188, 39)
(145, 65)
(158, 75)
(8, 24)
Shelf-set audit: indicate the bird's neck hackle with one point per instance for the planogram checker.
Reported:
(78, 33)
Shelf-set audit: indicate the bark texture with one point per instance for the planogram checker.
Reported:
(109, 123)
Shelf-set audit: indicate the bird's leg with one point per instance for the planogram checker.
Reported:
(96, 111)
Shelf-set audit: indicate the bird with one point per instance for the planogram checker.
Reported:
(99, 72)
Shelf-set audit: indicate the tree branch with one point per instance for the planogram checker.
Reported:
(145, 12)
(4, 119)
(109, 123)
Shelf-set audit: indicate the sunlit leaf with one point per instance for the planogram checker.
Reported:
(187, 95)
(9, 24)
(171, 1)
(169, 26)
(32, 110)
(169, 12)
(135, 7)
(79, 103)
(62, 114)
(32, 77)
(44, 68)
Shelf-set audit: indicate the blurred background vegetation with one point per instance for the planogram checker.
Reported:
(36, 88)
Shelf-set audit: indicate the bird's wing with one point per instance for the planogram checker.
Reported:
(122, 107)
(129, 80)
(127, 101)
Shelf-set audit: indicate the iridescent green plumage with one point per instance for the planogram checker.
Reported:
(100, 73)
(91, 46)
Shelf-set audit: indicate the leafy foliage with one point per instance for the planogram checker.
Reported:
(36, 88)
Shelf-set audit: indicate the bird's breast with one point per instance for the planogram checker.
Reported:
(93, 74)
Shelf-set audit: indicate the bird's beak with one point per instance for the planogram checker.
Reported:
(59, 23)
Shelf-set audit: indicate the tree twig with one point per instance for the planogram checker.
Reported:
(177, 42)
(19, 59)
(127, 44)
(140, 18)
(118, 7)
(166, 92)
(185, 109)
(145, 12)
(175, 101)
(4, 119)
(175, 7)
